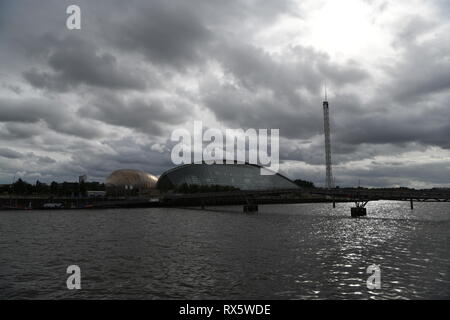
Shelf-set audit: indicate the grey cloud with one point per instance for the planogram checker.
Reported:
(180, 34)
(15, 132)
(18, 110)
(166, 32)
(342, 152)
(146, 115)
(43, 112)
(127, 154)
(46, 160)
(243, 109)
(28, 166)
(303, 68)
(339, 75)
(424, 64)
(385, 174)
(14, 88)
(74, 61)
(9, 153)
(394, 124)
(268, 93)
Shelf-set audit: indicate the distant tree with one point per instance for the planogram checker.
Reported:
(54, 188)
(4, 188)
(305, 184)
(82, 187)
(41, 188)
(21, 187)
(37, 186)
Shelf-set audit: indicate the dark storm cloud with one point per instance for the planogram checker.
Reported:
(180, 34)
(166, 32)
(54, 115)
(9, 153)
(407, 127)
(424, 66)
(302, 68)
(432, 77)
(267, 92)
(24, 164)
(16, 131)
(18, 110)
(239, 108)
(412, 106)
(74, 61)
(343, 153)
(127, 154)
(150, 116)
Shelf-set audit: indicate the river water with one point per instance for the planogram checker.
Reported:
(305, 251)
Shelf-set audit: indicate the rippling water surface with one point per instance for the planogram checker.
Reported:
(307, 251)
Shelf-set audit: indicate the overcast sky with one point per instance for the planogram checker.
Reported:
(108, 96)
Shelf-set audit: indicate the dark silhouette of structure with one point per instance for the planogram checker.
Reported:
(326, 124)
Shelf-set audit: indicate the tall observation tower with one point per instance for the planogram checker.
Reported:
(326, 125)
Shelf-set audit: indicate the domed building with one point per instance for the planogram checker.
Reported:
(130, 182)
(235, 176)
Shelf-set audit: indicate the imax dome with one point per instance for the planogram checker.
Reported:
(131, 180)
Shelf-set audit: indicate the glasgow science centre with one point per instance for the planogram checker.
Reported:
(199, 184)
(237, 176)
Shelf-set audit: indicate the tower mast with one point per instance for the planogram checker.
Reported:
(326, 120)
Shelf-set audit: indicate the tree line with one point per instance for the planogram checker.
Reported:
(21, 187)
(304, 184)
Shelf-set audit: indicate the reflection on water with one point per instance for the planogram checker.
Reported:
(284, 252)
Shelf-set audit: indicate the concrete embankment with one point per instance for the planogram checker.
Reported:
(60, 203)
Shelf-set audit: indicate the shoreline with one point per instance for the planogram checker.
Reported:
(146, 203)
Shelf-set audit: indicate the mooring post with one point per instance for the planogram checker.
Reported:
(250, 207)
(412, 204)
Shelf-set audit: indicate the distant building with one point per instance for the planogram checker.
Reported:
(82, 179)
(130, 182)
(238, 176)
(95, 194)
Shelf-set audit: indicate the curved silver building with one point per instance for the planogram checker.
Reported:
(238, 176)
